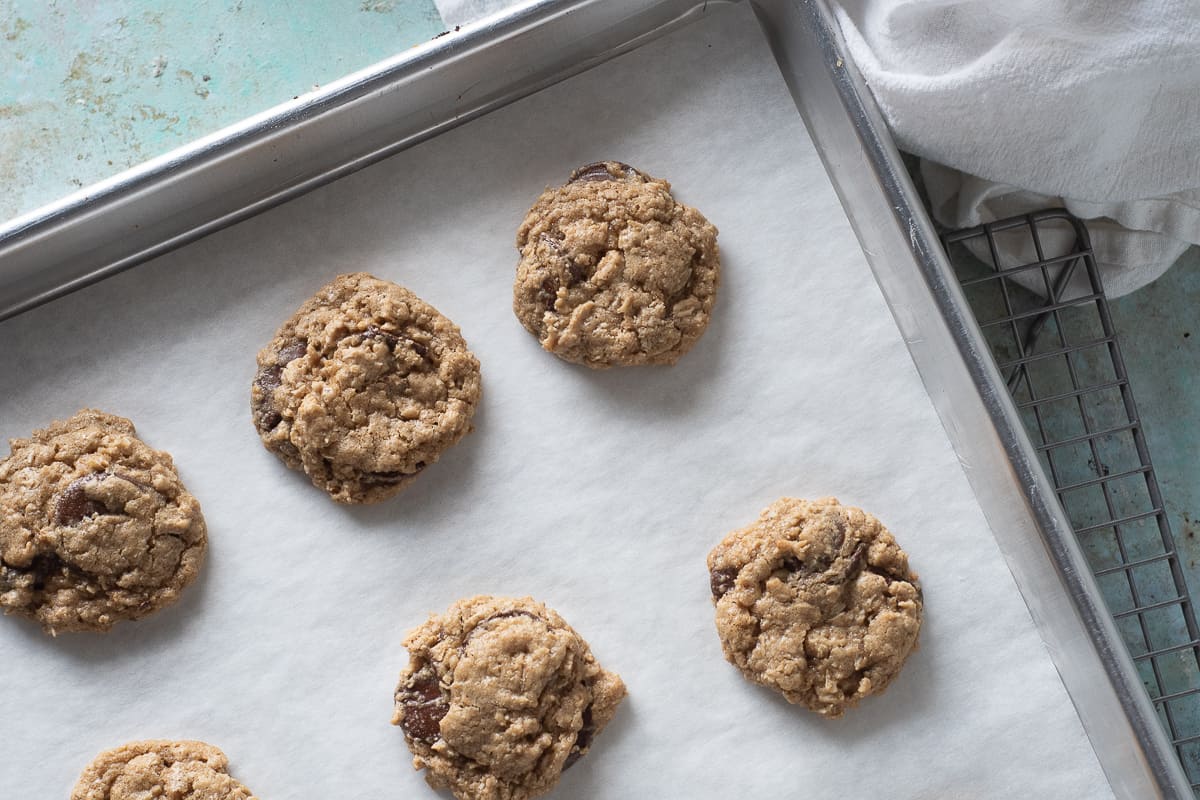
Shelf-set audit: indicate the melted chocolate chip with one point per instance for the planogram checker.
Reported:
(291, 352)
(43, 567)
(270, 377)
(390, 478)
(33, 576)
(599, 172)
(390, 339)
(74, 506)
(424, 706)
(721, 581)
(383, 478)
(794, 565)
(575, 273)
(583, 739)
(393, 339)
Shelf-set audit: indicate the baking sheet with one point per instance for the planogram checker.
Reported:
(599, 493)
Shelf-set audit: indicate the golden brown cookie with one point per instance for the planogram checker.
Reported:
(160, 769)
(95, 526)
(365, 386)
(614, 271)
(500, 695)
(817, 601)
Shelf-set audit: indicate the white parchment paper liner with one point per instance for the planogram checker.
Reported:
(598, 493)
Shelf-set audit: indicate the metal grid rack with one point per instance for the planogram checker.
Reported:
(1035, 289)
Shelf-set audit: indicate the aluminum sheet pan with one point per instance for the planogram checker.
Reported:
(231, 176)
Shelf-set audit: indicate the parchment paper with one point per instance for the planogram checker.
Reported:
(597, 492)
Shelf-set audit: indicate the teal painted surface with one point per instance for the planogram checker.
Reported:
(1159, 327)
(91, 87)
(1159, 332)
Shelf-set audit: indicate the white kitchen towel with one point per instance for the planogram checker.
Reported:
(1028, 104)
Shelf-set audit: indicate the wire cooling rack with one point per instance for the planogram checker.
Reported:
(1033, 285)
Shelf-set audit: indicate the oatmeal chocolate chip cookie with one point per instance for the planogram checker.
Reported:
(363, 388)
(160, 769)
(613, 271)
(95, 526)
(816, 600)
(500, 696)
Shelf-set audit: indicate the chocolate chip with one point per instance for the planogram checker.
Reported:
(576, 273)
(424, 706)
(74, 505)
(33, 576)
(383, 478)
(268, 378)
(600, 172)
(721, 581)
(840, 537)
(43, 567)
(386, 478)
(858, 557)
(291, 352)
(388, 338)
(583, 739)
(808, 570)
(390, 478)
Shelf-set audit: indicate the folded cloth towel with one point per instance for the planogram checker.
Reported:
(1029, 104)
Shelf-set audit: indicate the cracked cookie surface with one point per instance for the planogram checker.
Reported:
(614, 271)
(185, 770)
(364, 387)
(500, 695)
(817, 601)
(95, 526)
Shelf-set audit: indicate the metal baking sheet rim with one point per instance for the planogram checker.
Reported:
(270, 158)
